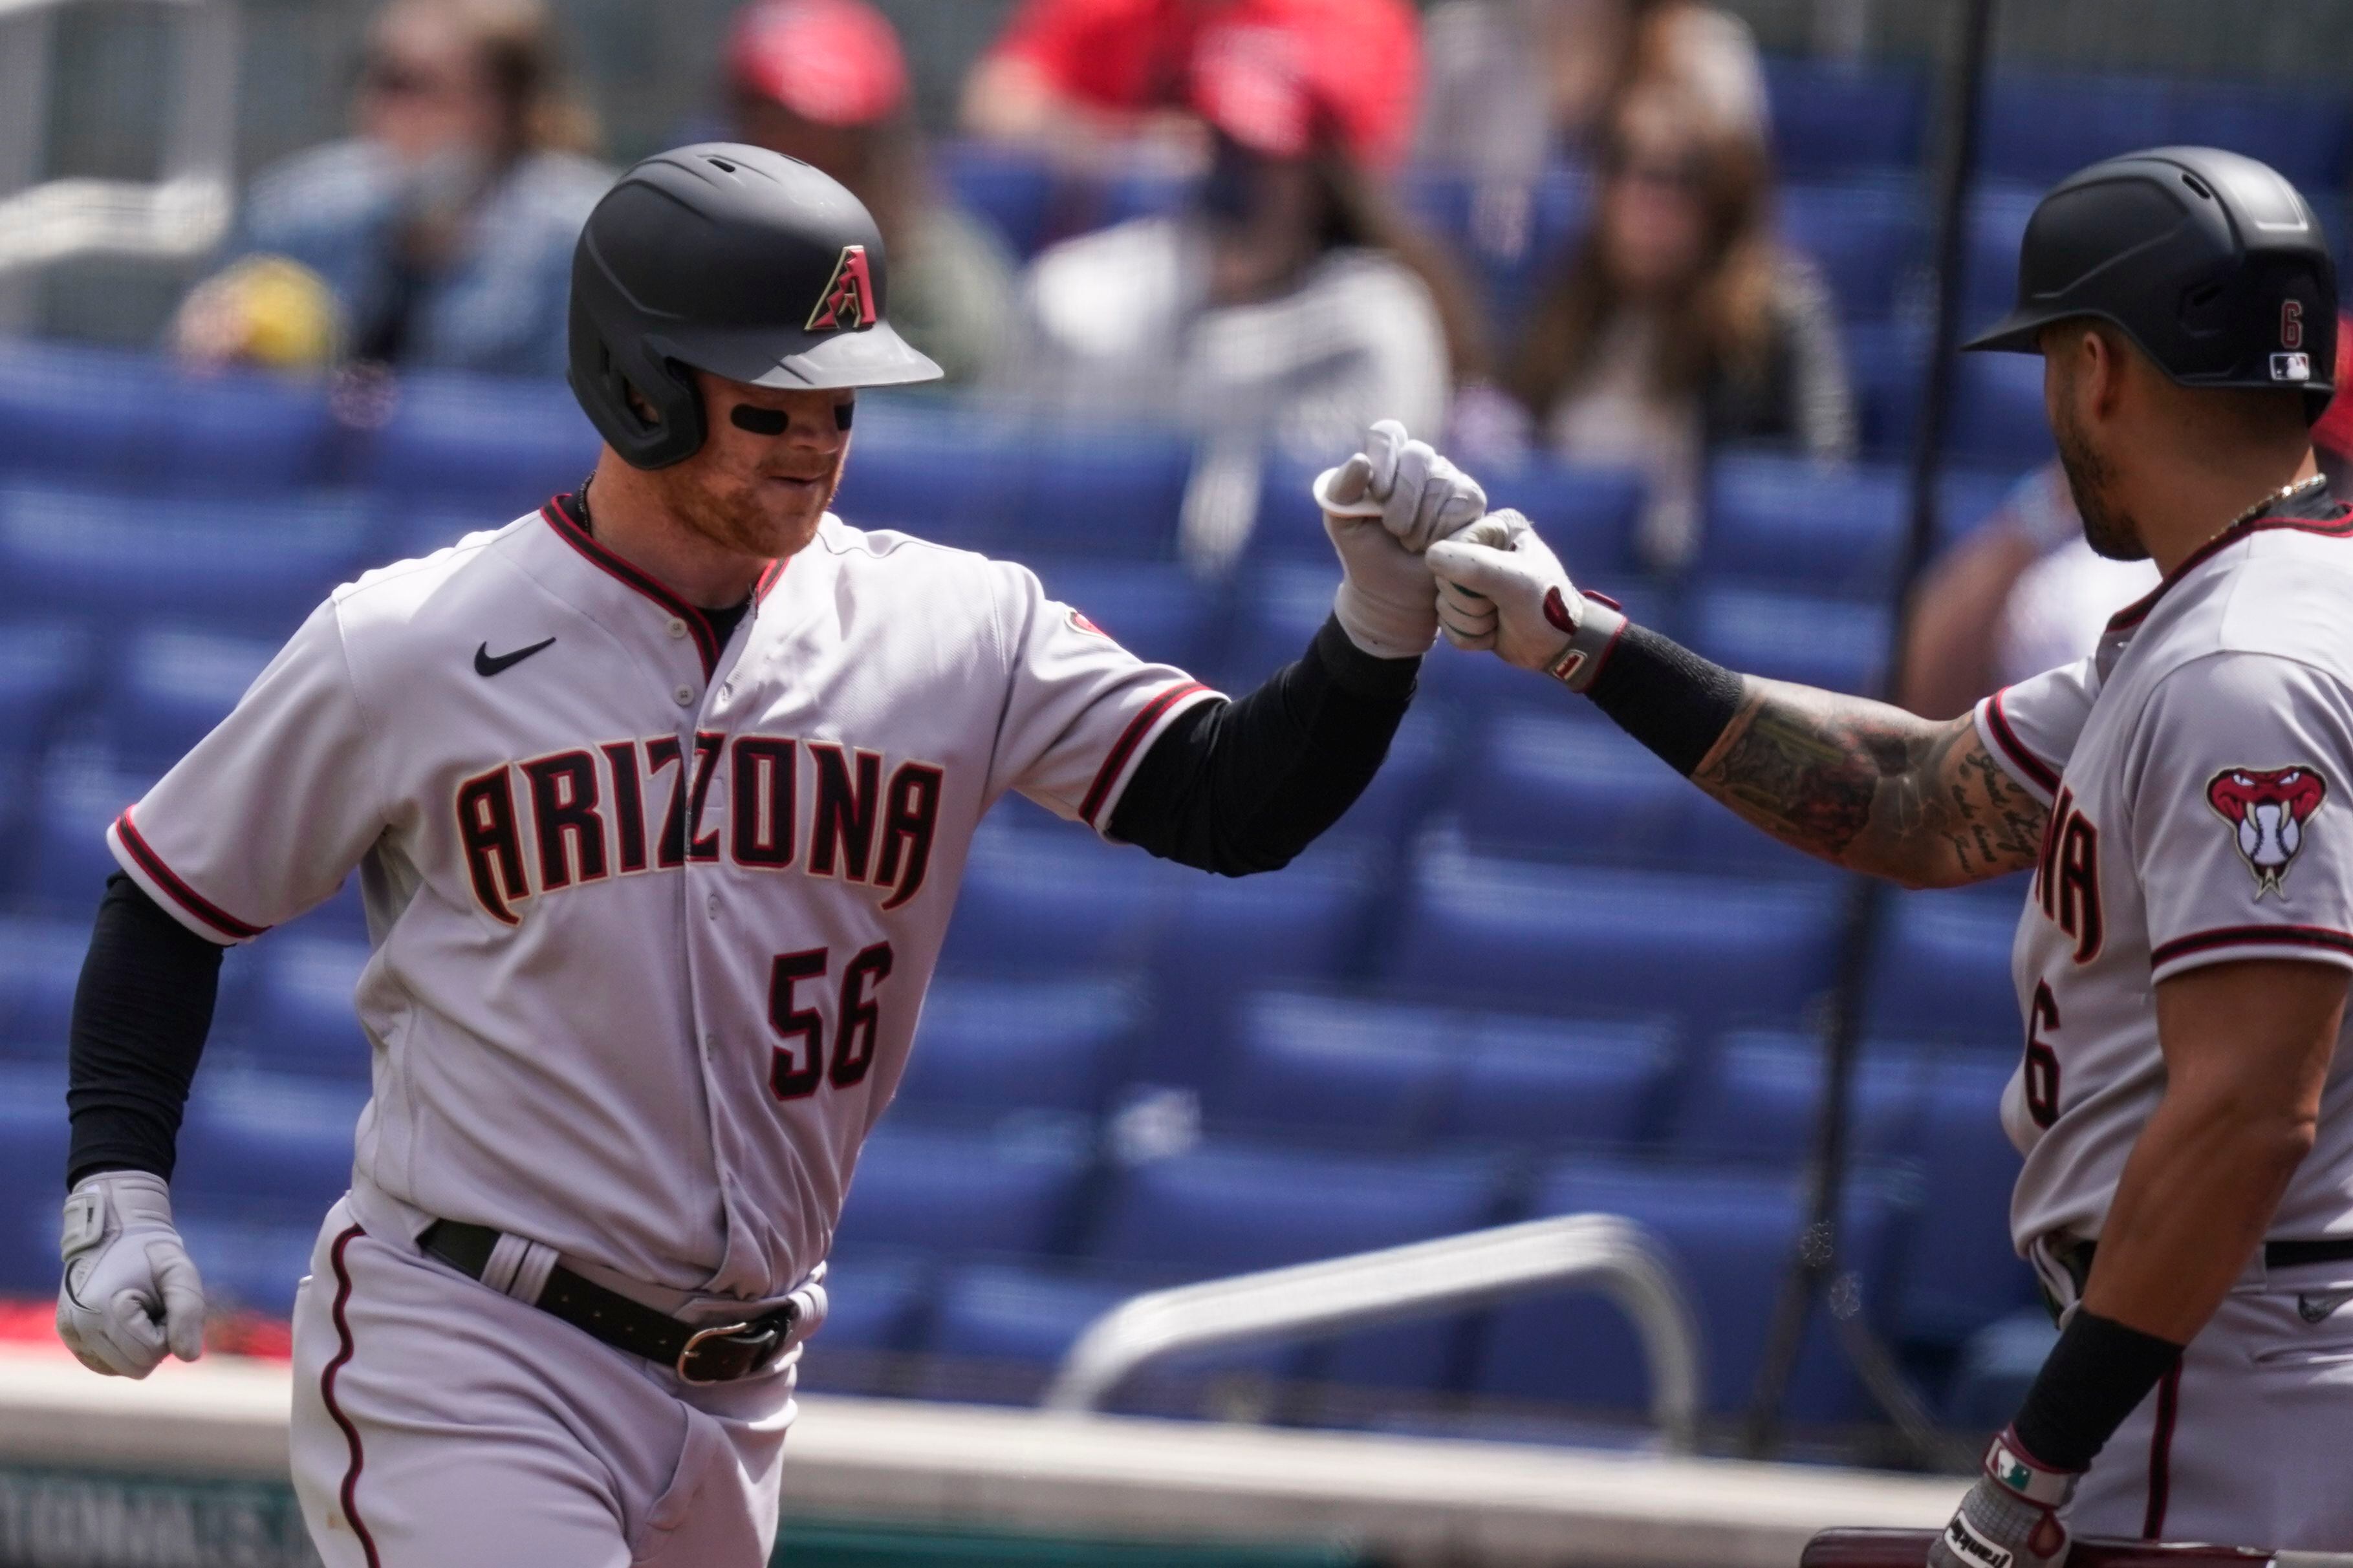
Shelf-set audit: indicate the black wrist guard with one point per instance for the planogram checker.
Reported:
(2097, 1375)
(1665, 696)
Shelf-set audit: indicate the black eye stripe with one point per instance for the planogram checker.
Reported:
(759, 421)
(842, 414)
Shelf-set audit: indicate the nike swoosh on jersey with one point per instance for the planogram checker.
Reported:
(487, 664)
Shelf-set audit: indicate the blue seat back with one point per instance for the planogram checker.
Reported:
(266, 1147)
(299, 1014)
(1839, 644)
(1546, 1082)
(174, 685)
(498, 446)
(1942, 970)
(958, 1191)
(992, 1045)
(33, 1135)
(1788, 523)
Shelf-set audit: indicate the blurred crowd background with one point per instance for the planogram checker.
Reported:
(1657, 271)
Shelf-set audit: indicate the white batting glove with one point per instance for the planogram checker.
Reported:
(1418, 496)
(2011, 1516)
(1375, 505)
(1499, 587)
(130, 1290)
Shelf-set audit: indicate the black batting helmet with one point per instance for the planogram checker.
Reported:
(733, 259)
(2211, 262)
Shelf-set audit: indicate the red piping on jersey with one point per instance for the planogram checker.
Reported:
(706, 640)
(2250, 936)
(2337, 527)
(2032, 766)
(187, 898)
(345, 1346)
(1129, 739)
(2160, 1455)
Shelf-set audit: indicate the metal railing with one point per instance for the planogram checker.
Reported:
(183, 212)
(1615, 1257)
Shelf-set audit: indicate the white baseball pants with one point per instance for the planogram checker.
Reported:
(439, 1424)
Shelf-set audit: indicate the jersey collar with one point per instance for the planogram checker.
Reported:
(569, 518)
(2317, 513)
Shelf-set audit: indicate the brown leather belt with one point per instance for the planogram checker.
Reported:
(719, 1353)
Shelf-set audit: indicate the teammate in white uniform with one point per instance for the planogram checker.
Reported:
(2183, 1104)
(654, 891)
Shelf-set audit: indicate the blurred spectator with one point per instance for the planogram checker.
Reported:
(1678, 325)
(1080, 79)
(440, 234)
(1288, 303)
(1514, 85)
(824, 81)
(2019, 595)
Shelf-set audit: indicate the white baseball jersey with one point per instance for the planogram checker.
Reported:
(2198, 767)
(652, 916)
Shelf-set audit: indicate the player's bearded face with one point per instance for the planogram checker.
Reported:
(2108, 528)
(759, 492)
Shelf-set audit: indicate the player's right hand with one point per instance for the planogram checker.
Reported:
(1499, 587)
(2011, 1517)
(131, 1291)
(1419, 496)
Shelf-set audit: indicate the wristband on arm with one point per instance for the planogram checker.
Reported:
(2094, 1377)
(1665, 696)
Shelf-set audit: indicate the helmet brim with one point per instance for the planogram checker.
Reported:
(2019, 332)
(763, 356)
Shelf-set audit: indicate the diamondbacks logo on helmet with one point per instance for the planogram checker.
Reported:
(847, 303)
(2267, 809)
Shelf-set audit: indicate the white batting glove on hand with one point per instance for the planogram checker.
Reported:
(130, 1290)
(1499, 587)
(2011, 1516)
(1418, 496)
(1381, 507)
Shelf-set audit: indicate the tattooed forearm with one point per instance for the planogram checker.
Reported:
(1872, 787)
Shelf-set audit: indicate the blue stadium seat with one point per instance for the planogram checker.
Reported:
(248, 1262)
(1842, 646)
(1104, 491)
(40, 964)
(1156, 610)
(1866, 235)
(1997, 412)
(33, 1131)
(1420, 754)
(1731, 1233)
(298, 1013)
(501, 443)
(950, 477)
(1887, 361)
(1997, 227)
(988, 1044)
(876, 1304)
(1788, 522)
(1056, 901)
(1556, 1082)
(2039, 126)
(1223, 1209)
(116, 419)
(1755, 1095)
(254, 566)
(1830, 117)
(946, 1191)
(260, 1147)
(1960, 1271)
(997, 1331)
(173, 686)
(1013, 191)
(1278, 606)
(44, 666)
(72, 808)
(413, 532)
(1541, 785)
(1585, 939)
(1999, 1364)
(1942, 970)
(1367, 1071)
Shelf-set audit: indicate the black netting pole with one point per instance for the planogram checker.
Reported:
(1814, 1271)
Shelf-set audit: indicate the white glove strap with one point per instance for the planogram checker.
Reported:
(1580, 659)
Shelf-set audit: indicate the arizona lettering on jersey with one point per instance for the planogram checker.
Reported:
(2189, 767)
(576, 816)
(652, 914)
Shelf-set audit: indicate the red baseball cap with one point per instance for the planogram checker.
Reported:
(835, 62)
(1287, 79)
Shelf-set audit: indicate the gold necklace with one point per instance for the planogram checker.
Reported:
(2294, 491)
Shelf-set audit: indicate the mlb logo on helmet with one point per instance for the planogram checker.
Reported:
(847, 305)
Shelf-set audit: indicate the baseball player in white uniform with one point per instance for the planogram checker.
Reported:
(2181, 1100)
(658, 796)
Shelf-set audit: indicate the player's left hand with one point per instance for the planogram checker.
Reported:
(2010, 1517)
(1501, 588)
(131, 1291)
(1380, 508)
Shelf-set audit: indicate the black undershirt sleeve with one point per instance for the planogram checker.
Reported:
(1243, 786)
(140, 1017)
